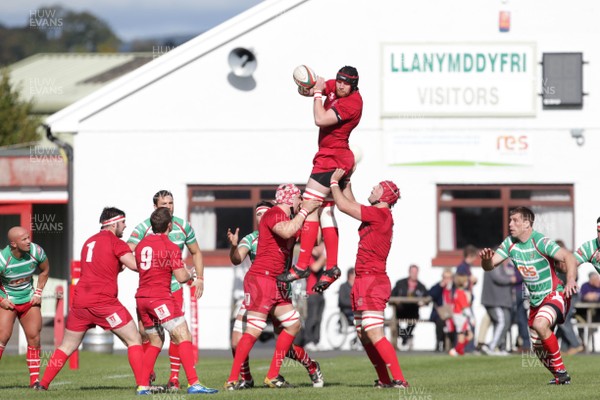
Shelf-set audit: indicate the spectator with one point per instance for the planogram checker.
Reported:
(409, 312)
(590, 291)
(315, 302)
(497, 299)
(344, 302)
(470, 254)
(461, 314)
(520, 312)
(442, 311)
(571, 343)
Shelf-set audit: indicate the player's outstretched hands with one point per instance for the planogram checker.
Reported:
(319, 85)
(233, 237)
(310, 205)
(486, 254)
(199, 285)
(338, 174)
(6, 304)
(571, 288)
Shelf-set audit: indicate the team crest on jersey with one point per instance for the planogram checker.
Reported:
(113, 320)
(162, 312)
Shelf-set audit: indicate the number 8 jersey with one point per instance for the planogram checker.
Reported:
(535, 262)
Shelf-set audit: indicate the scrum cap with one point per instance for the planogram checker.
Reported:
(349, 75)
(390, 194)
(285, 194)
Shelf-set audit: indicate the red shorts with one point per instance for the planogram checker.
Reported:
(262, 293)
(178, 298)
(329, 159)
(107, 316)
(370, 292)
(153, 311)
(23, 309)
(557, 301)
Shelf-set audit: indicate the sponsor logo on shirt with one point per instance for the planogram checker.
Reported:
(113, 320)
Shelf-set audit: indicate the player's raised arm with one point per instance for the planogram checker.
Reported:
(344, 200)
(236, 254)
(490, 259)
(288, 229)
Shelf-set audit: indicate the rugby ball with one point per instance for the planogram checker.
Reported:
(305, 76)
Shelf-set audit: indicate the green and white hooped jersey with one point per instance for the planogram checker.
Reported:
(16, 273)
(182, 234)
(250, 241)
(535, 262)
(587, 253)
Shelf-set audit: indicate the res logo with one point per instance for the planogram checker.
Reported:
(512, 143)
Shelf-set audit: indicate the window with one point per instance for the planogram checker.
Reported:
(478, 215)
(214, 209)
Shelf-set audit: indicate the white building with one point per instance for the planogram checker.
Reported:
(450, 100)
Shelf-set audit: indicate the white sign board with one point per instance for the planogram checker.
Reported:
(454, 148)
(457, 80)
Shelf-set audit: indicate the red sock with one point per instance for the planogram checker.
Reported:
(378, 363)
(175, 360)
(331, 239)
(460, 348)
(55, 364)
(135, 355)
(1, 350)
(245, 371)
(310, 230)
(33, 363)
(187, 360)
(297, 353)
(145, 346)
(241, 353)
(150, 356)
(388, 354)
(553, 361)
(282, 346)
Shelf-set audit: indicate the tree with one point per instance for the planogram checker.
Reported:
(16, 123)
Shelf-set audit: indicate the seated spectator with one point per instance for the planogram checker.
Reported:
(441, 313)
(409, 312)
(590, 291)
(344, 302)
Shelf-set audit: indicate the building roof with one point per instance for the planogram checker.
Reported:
(56, 80)
(69, 118)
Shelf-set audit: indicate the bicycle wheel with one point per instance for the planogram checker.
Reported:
(336, 330)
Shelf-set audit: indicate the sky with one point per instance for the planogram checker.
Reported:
(132, 19)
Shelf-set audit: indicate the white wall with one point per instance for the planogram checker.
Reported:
(190, 126)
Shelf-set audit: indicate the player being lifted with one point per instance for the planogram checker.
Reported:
(372, 289)
(18, 299)
(336, 117)
(182, 235)
(158, 260)
(535, 257)
(263, 295)
(241, 250)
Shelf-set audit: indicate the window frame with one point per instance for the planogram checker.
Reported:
(451, 258)
(220, 257)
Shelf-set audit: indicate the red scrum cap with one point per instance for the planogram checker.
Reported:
(285, 194)
(390, 194)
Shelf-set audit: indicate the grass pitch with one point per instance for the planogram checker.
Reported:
(347, 377)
